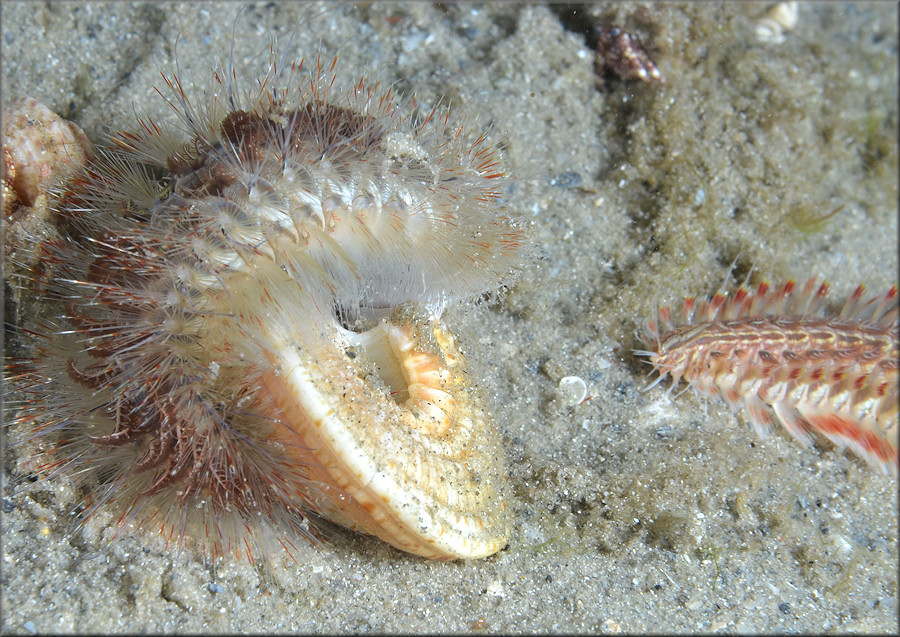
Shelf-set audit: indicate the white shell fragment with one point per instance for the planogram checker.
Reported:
(572, 390)
(781, 18)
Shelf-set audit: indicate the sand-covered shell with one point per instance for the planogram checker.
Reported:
(40, 152)
(40, 149)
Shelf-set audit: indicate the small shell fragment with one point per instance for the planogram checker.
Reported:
(39, 149)
(779, 19)
(624, 54)
(572, 390)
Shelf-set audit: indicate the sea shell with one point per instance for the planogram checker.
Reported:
(393, 441)
(40, 149)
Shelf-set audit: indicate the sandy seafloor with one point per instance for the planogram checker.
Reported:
(632, 511)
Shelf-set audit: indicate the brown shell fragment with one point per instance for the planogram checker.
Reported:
(624, 54)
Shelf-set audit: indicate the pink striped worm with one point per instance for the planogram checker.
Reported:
(774, 352)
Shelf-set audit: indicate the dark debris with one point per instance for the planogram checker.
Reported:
(624, 54)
